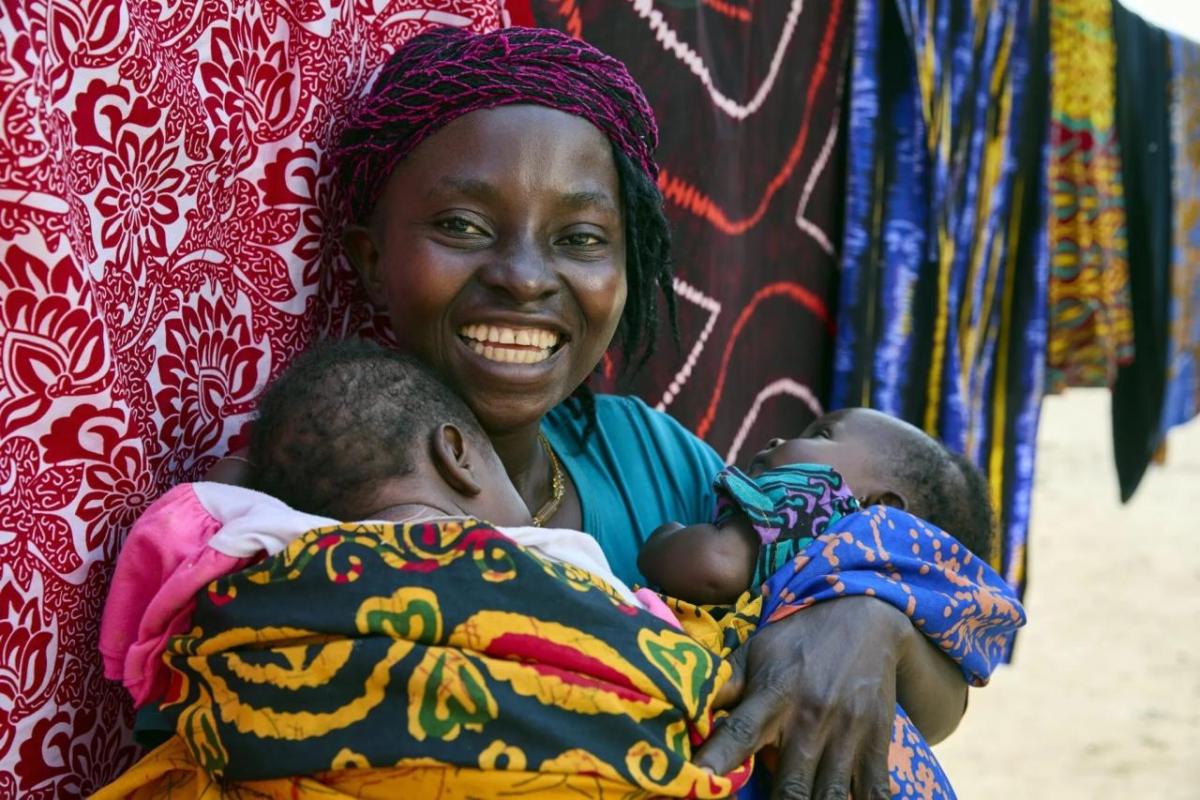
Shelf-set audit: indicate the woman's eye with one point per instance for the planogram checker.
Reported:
(581, 239)
(461, 226)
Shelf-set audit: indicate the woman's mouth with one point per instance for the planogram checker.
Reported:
(508, 345)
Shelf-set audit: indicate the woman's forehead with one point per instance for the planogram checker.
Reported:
(488, 153)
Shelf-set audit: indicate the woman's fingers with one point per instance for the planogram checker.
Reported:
(833, 780)
(797, 771)
(739, 735)
(871, 780)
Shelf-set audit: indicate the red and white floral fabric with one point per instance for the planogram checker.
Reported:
(161, 232)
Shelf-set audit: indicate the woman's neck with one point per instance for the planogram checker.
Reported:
(524, 461)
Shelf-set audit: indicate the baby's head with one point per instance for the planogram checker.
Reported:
(354, 431)
(887, 461)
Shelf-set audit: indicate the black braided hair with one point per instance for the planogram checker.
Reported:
(648, 274)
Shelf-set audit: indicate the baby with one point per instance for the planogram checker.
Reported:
(843, 461)
(354, 432)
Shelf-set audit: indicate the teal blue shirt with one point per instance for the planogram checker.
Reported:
(638, 469)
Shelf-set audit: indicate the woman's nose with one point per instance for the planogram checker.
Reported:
(771, 445)
(522, 272)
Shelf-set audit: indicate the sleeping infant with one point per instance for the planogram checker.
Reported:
(352, 431)
(794, 489)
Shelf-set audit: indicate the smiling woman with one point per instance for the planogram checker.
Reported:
(501, 206)
(505, 223)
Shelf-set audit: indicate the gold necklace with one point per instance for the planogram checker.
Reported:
(557, 485)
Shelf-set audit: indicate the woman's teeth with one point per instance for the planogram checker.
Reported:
(510, 345)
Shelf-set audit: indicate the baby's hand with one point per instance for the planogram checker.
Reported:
(702, 563)
(666, 529)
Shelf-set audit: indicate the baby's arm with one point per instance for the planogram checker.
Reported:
(702, 564)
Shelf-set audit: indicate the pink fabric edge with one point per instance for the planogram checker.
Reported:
(655, 605)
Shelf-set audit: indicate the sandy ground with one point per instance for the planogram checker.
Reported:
(1103, 698)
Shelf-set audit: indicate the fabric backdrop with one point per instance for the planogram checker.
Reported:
(942, 316)
(748, 97)
(1144, 127)
(162, 236)
(1182, 400)
(1091, 325)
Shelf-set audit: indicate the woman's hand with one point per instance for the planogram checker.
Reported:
(820, 686)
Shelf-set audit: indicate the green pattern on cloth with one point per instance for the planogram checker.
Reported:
(788, 507)
(426, 644)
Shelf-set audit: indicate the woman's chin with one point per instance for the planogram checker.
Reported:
(500, 366)
(505, 394)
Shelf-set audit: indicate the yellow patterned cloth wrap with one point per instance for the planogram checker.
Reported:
(433, 661)
(1090, 324)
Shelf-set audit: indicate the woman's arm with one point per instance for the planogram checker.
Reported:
(821, 686)
(842, 639)
(929, 686)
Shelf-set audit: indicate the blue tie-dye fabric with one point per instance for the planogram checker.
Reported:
(1182, 400)
(942, 307)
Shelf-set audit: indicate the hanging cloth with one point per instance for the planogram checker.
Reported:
(749, 102)
(1143, 125)
(941, 317)
(1182, 401)
(1091, 327)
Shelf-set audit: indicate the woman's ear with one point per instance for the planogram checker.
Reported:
(364, 257)
(452, 457)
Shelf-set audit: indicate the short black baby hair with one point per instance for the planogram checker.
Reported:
(343, 417)
(946, 489)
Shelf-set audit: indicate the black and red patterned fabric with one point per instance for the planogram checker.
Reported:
(748, 99)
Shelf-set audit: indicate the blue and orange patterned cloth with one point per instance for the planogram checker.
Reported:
(444, 660)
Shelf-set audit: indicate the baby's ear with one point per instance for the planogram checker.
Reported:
(886, 498)
(452, 456)
(364, 257)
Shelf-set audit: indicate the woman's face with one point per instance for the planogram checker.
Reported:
(498, 250)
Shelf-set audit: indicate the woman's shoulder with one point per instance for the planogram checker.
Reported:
(617, 409)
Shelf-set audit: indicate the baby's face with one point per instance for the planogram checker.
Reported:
(850, 441)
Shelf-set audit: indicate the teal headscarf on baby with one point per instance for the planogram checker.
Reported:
(788, 506)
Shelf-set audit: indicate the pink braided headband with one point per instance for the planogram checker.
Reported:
(445, 73)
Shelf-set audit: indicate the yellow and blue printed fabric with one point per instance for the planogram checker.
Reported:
(1091, 322)
(955, 599)
(1182, 400)
(446, 661)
